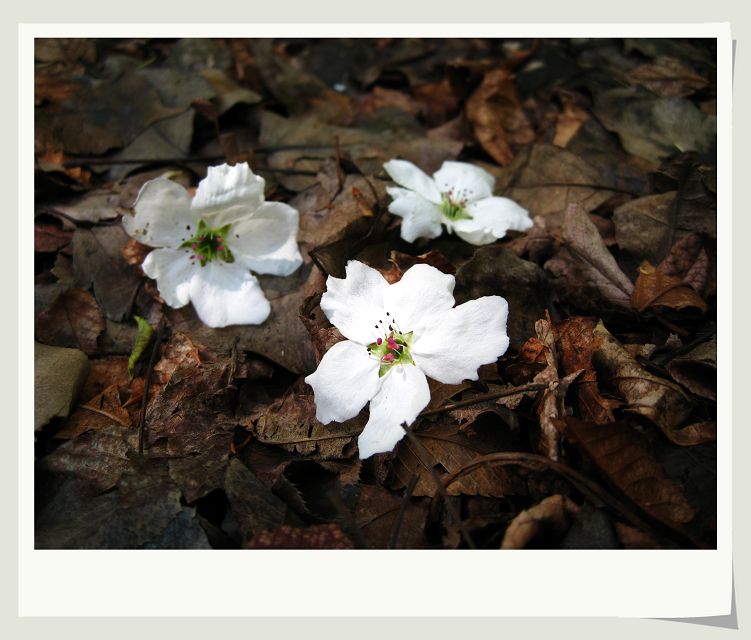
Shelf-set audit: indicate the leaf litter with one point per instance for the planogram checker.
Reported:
(585, 434)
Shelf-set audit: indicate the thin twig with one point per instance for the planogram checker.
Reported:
(150, 370)
(440, 488)
(537, 386)
(402, 511)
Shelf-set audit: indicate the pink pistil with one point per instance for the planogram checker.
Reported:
(379, 341)
(389, 357)
(392, 343)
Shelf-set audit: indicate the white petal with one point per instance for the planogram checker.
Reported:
(422, 295)
(266, 240)
(226, 293)
(172, 270)
(227, 193)
(466, 337)
(354, 304)
(466, 181)
(421, 218)
(404, 393)
(408, 175)
(163, 217)
(346, 378)
(491, 219)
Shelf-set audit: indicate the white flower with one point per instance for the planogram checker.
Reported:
(397, 334)
(208, 244)
(459, 196)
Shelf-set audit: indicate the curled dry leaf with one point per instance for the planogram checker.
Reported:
(497, 118)
(657, 399)
(697, 370)
(546, 522)
(623, 454)
(654, 289)
(73, 320)
(577, 342)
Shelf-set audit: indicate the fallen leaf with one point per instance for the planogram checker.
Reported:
(569, 121)
(655, 127)
(98, 261)
(689, 261)
(625, 457)
(654, 289)
(290, 423)
(50, 237)
(697, 369)
(376, 514)
(497, 118)
(103, 410)
(586, 266)
(495, 270)
(59, 376)
(542, 525)
(577, 342)
(668, 77)
(73, 320)
(660, 401)
(546, 180)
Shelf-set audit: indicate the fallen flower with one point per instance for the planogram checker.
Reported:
(207, 245)
(397, 334)
(459, 196)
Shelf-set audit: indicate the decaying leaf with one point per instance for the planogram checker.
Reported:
(624, 456)
(697, 369)
(101, 411)
(317, 536)
(498, 120)
(668, 76)
(547, 521)
(290, 422)
(585, 270)
(73, 320)
(657, 399)
(654, 289)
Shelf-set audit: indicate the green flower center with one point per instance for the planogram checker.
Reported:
(453, 209)
(391, 350)
(208, 244)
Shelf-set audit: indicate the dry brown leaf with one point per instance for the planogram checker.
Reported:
(659, 400)
(689, 261)
(290, 422)
(375, 515)
(73, 320)
(550, 518)
(585, 269)
(50, 237)
(667, 76)
(697, 370)
(497, 118)
(569, 121)
(577, 342)
(633, 538)
(625, 457)
(101, 411)
(450, 450)
(655, 289)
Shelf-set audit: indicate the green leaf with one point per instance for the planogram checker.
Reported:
(143, 337)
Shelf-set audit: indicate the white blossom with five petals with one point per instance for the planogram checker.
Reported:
(207, 245)
(459, 196)
(396, 336)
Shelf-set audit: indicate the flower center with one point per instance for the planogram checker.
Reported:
(208, 244)
(393, 348)
(453, 206)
